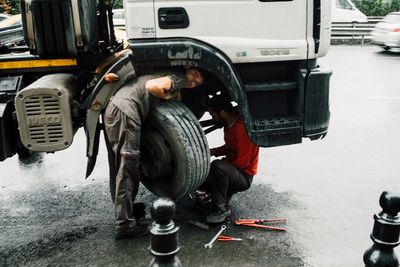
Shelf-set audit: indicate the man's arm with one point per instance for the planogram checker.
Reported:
(218, 151)
(159, 87)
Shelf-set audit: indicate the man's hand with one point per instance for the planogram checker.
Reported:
(159, 87)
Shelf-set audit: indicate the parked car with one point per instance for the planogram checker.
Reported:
(346, 11)
(11, 31)
(118, 17)
(386, 33)
(3, 16)
(11, 21)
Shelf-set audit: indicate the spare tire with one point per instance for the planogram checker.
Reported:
(175, 158)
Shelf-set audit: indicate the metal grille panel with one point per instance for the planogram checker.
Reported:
(37, 107)
(44, 112)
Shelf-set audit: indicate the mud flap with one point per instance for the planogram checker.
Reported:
(98, 101)
(92, 159)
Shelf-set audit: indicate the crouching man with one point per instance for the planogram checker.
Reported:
(234, 172)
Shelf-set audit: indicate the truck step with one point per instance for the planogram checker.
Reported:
(270, 86)
(276, 123)
(277, 131)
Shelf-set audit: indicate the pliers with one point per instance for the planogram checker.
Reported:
(224, 238)
(259, 223)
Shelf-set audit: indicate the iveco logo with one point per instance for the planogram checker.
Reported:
(44, 120)
(275, 52)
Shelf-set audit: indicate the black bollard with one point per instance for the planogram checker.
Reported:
(385, 233)
(164, 235)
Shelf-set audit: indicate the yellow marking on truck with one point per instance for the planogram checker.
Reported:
(38, 63)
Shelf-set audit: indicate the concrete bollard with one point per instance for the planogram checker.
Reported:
(385, 233)
(164, 235)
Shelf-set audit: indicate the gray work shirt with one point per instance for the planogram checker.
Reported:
(135, 101)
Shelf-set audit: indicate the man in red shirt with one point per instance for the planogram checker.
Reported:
(234, 172)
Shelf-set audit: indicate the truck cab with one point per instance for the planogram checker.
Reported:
(262, 55)
(270, 47)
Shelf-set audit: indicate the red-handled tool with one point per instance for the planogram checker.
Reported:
(259, 223)
(224, 238)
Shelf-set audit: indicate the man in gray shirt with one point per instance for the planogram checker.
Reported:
(123, 119)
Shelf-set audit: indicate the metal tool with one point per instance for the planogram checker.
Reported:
(259, 223)
(209, 245)
(225, 238)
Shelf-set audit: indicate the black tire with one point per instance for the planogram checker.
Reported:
(26, 156)
(195, 101)
(24, 153)
(187, 163)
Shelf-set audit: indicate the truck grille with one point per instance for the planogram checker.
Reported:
(38, 108)
(44, 119)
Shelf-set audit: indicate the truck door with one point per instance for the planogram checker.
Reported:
(248, 30)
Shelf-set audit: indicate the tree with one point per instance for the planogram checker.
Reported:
(377, 7)
(395, 5)
(118, 4)
(9, 6)
(5, 6)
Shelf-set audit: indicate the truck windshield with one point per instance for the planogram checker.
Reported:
(344, 4)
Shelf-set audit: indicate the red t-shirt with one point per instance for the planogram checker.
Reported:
(239, 150)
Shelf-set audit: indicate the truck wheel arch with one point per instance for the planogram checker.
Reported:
(122, 68)
(171, 52)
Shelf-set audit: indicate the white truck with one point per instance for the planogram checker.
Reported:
(345, 11)
(261, 54)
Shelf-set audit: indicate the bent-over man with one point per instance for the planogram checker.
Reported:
(123, 118)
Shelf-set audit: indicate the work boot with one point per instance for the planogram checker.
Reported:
(138, 230)
(203, 200)
(139, 210)
(219, 215)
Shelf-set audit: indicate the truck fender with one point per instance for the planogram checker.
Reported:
(182, 51)
(105, 88)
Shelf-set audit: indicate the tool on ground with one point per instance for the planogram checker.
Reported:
(224, 238)
(260, 223)
(209, 245)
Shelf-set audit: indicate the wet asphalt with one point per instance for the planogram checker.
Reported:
(328, 190)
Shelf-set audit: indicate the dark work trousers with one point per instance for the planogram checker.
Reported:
(223, 181)
(123, 143)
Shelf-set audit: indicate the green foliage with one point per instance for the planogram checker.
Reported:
(15, 7)
(377, 7)
(9, 6)
(5, 6)
(118, 4)
(395, 5)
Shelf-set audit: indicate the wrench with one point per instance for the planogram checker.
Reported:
(209, 245)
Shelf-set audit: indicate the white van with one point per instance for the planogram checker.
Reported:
(118, 17)
(346, 11)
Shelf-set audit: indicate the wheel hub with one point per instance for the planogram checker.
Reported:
(156, 155)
